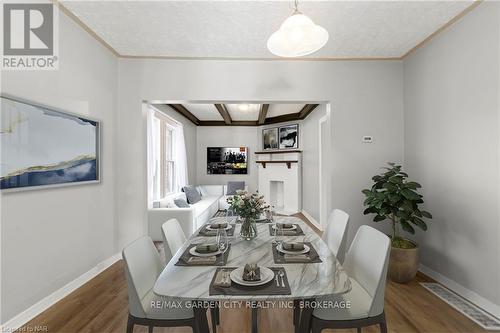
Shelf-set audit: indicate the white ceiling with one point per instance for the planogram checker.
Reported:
(239, 29)
(204, 111)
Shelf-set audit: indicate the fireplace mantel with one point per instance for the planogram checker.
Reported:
(287, 162)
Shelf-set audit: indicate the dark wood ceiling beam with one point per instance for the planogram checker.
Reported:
(281, 119)
(306, 110)
(185, 112)
(263, 114)
(224, 113)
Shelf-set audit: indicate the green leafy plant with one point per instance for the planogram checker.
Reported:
(395, 198)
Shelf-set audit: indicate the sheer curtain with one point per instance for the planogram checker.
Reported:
(180, 159)
(151, 155)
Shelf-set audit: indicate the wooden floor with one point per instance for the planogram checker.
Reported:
(101, 306)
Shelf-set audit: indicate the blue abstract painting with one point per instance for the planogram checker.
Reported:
(41, 146)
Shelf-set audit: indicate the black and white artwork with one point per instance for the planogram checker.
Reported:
(270, 138)
(289, 137)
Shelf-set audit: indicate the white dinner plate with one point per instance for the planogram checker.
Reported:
(266, 275)
(209, 227)
(198, 254)
(294, 227)
(280, 249)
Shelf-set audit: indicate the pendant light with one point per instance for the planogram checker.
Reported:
(298, 36)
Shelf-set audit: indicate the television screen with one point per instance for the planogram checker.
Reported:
(226, 161)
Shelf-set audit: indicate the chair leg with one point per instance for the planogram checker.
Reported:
(150, 329)
(358, 329)
(130, 324)
(315, 327)
(217, 313)
(213, 319)
(305, 320)
(383, 324)
(296, 312)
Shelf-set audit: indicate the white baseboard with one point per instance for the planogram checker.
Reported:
(469, 295)
(57, 295)
(312, 220)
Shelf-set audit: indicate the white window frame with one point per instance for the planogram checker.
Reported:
(167, 163)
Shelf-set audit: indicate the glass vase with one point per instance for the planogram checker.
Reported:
(248, 229)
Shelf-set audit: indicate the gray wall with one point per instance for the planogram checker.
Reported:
(49, 237)
(452, 147)
(366, 97)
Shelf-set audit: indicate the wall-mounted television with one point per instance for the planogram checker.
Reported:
(227, 160)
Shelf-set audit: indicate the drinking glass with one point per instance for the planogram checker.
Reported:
(279, 235)
(222, 240)
(229, 215)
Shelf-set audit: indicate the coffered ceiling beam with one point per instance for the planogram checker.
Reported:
(185, 112)
(263, 113)
(308, 108)
(224, 113)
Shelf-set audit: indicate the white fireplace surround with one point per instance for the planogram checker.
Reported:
(280, 178)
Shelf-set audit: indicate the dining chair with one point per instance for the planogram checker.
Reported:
(173, 238)
(335, 235)
(142, 268)
(366, 264)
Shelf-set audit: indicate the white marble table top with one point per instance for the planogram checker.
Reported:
(306, 280)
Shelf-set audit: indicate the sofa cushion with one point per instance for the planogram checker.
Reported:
(181, 203)
(232, 187)
(192, 194)
(205, 203)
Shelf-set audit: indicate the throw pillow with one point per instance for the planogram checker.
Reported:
(232, 187)
(181, 203)
(192, 194)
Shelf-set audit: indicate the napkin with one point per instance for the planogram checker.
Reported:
(251, 272)
(202, 260)
(284, 225)
(292, 246)
(222, 279)
(206, 248)
(218, 225)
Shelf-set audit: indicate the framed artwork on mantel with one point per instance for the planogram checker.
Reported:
(270, 138)
(44, 147)
(289, 137)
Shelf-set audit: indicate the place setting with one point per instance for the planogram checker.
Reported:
(285, 229)
(207, 253)
(214, 226)
(250, 279)
(291, 252)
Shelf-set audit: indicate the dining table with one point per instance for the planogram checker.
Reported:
(307, 281)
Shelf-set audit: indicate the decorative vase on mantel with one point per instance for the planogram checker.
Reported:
(248, 228)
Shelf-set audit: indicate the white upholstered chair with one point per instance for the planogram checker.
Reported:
(366, 264)
(142, 268)
(335, 235)
(173, 238)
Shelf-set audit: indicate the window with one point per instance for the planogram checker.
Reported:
(164, 164)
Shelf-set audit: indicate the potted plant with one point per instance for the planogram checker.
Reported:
(249, 207)
(392, 197)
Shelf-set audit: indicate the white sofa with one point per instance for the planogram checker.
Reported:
(213, 198)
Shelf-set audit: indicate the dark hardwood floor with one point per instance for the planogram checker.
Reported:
(101, 306)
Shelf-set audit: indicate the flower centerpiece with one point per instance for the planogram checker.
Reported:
(249, 207)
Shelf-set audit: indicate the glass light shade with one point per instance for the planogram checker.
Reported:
(298, 36)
